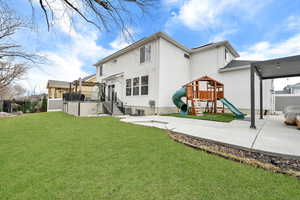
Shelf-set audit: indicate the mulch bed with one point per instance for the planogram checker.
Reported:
(276, 163)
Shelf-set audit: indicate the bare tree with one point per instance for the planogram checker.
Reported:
(104, 14)
(10, 72)
(11, 92)
(14, 61)
(10, 23)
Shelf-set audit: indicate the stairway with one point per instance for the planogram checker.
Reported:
(113, 110)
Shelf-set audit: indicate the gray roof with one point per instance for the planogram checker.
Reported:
(236, 65)
(297, 85)
(58, 84)
(278, 68)
(282, 92)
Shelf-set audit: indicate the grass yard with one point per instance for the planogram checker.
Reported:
(57, 156)
(225, 117)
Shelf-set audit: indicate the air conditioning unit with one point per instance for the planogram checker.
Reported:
(152, 103)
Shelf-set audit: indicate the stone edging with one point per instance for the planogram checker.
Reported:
(279, 164)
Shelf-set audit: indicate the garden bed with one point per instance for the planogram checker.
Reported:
(275, 163)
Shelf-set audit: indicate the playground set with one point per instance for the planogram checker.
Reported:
(203, 90)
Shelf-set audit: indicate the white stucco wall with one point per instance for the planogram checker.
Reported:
(168, 70)
(173, 72)
(130, 65)
(90, 109)
(236, 83)
(72, 108)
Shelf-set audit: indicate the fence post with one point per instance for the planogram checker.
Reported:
(78, 108)
(112, 103)
(47, 104)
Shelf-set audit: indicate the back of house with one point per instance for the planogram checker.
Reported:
(146, 74)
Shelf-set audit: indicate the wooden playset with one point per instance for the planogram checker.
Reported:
(204, 90)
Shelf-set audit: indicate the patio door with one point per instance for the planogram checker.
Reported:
(111, 90)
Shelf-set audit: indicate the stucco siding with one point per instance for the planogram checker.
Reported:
(129, 64)
(236, 83)
(173, 72)
(237, 89)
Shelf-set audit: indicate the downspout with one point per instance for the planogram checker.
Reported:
(157, 67)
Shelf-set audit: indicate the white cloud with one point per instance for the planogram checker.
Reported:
(266, 50)
(123, 39)
(293, 22)
(223, 35)
(203, 14)
(67, 60)
(70, 47)
(65, 63)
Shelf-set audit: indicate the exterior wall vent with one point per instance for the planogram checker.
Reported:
(186, 56)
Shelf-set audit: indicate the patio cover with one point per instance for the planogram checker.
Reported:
(278, 68)
(271, 69)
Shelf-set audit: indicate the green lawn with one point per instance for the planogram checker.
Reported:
(225, 117)
(57, 156)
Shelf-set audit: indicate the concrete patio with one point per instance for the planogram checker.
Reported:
(271, 135)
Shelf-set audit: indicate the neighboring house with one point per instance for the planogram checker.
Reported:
(283, 92)
(293, 89)
(88, 90)
(148, 72)
(290, 89)
(56, 89)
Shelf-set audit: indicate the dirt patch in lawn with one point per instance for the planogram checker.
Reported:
(276, 163)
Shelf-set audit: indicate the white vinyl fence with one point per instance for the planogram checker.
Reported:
(55, 105)
(283, 100)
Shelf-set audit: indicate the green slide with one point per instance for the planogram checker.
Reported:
(238, 114)
(179, 103)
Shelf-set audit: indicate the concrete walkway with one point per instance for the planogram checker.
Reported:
(271, 135)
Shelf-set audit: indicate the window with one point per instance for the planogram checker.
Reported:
(144, 85)
(101, 70)
(148, 53)
(142, 54)
(136, 86)
(128, 87)
(226, 55)
(145, 53)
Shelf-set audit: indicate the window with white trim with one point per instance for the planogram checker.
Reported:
(136, 86)
(128, 87)
(144, 85)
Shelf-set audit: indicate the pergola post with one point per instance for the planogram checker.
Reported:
(261, 98)
(252, 95)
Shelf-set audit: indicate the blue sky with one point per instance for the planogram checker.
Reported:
(258, 29)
